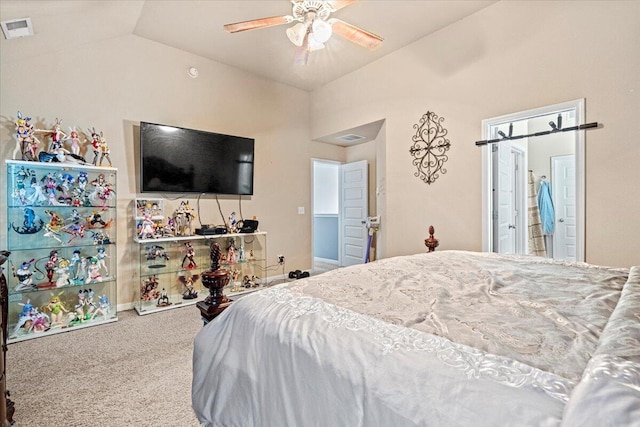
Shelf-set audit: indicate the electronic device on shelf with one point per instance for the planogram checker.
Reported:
(211, 231)
(179, 160)
(247, 226)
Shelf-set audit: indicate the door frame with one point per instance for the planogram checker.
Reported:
(312, 213)
(578, 106)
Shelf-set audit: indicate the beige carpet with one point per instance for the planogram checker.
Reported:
(133, 372)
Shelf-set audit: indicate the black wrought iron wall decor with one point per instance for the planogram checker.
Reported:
(429, 147)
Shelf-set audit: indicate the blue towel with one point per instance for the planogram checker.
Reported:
(545, 206)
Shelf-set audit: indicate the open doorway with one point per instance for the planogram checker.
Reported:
(340, 209)
(533, 188)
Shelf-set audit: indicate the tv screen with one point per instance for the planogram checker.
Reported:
(178, 160)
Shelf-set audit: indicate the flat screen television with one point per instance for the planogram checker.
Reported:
(179, 160)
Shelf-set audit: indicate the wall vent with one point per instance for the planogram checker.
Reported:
(15, 28)
(350, 137)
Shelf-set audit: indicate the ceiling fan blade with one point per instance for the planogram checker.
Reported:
(258, 23)
(355, 34)
(339, 4)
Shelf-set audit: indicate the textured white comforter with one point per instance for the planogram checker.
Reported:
(448, 338)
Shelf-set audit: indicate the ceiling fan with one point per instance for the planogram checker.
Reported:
(314, 26)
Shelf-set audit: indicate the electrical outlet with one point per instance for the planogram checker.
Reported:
(280, 259)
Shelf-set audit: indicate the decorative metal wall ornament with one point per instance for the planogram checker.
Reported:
(429, 147)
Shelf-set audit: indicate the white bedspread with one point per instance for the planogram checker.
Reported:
(310, 353)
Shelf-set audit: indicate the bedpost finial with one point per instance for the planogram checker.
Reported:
(431, 242)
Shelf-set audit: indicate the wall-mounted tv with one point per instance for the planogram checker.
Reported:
(179, 160)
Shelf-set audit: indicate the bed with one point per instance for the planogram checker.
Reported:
(449, 338)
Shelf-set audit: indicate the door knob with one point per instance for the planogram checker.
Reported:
(512, 226)
(561, 220)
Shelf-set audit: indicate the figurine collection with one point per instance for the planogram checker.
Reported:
(59, 219)
(182, 257)
(62, 147)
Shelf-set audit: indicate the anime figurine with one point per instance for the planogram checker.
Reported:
(96, 221)
(236, 283)
(89, 304)
(232, 256)
(39, 322)
(79, 307)
(23, 274)
(74, 137)
(241, 254)
(102, 256)
(104, 305)
(93, 271)
(27, 143)
(232, 222)
(20, 190)
(103, 190)
(51, 265)
(95, 145)
(74, 218)
(31, 224)
(100, 238)
(81, 272)
(147, 228)
(76, 230)
(189, 283)
(149, 289)
(57, 135)
(155, 254)
(82, 180)
(74, 264)
(104, 150)
(57, 310)
(163, 300)
(26, 316)
(189, 256)
(63, 273)
(183, 218)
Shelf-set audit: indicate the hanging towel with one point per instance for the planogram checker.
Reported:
(536, 237)
(545, 206)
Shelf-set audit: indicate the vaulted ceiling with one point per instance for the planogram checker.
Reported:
(197, 27)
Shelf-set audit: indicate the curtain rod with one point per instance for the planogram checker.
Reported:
(555, 129)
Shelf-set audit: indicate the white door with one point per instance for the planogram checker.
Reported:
(563, 193)
(505, 238)
(354, 208)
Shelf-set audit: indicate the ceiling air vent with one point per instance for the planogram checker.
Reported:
(350, 137)
(15, 28)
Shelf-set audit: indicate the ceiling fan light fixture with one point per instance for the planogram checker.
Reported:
(313, 43)
(322, 30)
(296, 33)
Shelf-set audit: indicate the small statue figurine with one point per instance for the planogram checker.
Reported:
(74, 137)
(431, 243)
(147, 228)
(57, 309)
(232, 256)
(149, 289)
(232, 223)
(154, 255)
(163, 301)
(189, 283)
(189, 256)
(95, 145)
(27, 143)
(63, 274)
(104, 305)
(93, 271)
(23, 274)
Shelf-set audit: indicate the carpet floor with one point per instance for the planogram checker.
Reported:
(133, 372)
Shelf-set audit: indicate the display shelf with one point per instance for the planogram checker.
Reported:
(167, 263)
(61, 232)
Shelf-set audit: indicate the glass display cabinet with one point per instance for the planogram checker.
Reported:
(171, 266)
(61, 232)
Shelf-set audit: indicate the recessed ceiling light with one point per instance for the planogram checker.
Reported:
(192, 72)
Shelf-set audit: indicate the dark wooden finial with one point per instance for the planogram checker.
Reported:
(431, 243)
